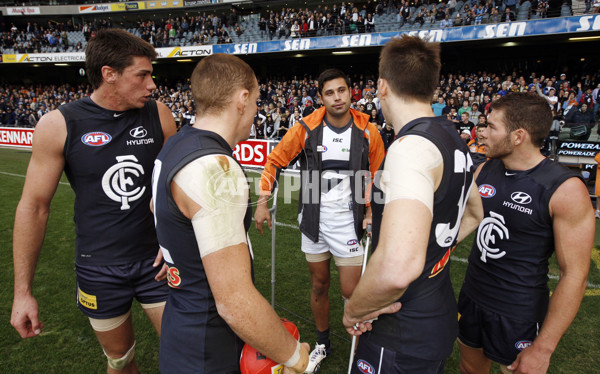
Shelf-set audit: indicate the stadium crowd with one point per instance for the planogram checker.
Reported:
(336, 19)
(462, 97)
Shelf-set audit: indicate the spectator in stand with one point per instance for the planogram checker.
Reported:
(477, 145)
(580, 121)
(387, 135)
(465, 124)
(356, 92)
(370, 23)
(446, 22)
(464, 108)
(404, 13)
(295, 30)
(495, 16)
(308, 108)
(376, 119)
(438, 107)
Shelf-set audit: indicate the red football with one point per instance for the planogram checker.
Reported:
(253, 362)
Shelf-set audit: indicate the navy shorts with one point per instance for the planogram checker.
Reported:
(371, 358)
(501, 338)
(107, 291)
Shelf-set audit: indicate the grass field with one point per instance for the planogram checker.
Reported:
(68, 345)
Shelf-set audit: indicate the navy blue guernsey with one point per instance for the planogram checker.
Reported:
(108, 160)
(426, 325)
(508, 264)
(194, 338)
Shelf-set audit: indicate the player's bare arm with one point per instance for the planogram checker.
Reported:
(262, 214)
(287, 149)
(404, 233)
(167, 122)
(473, 211)
(574, 227)
(169, 128)
(43, 174)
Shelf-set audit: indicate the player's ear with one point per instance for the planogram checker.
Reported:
(109, 75)
(242, 98)
(382, 88)
(519, 136)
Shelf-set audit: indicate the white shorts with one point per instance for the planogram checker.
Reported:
(336, 235)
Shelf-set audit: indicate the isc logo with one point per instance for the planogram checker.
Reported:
(365, 367)
(487, 190)
(96, 139)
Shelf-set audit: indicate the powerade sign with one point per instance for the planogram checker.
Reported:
(581, 149)
(479, 32)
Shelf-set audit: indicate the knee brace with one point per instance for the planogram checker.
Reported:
(121, 362)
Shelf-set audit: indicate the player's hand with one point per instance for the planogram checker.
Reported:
(24, 317)
(357, 327)
(162, 274)
(302, 364)
(532, 360)
(368, 221)
(262, 214)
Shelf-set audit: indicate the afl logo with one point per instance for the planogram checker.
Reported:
(521, 345)
(365, 367)
(96, 138)
(321, 148)
(138, 132)
(520, 198)
(487, 190)
(352, 242)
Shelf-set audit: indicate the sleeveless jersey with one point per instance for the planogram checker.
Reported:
(427, 326)
(508, 264)
(108, 160)
(194, 338)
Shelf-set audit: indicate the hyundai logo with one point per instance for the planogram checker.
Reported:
(520, 197)
(138, 132)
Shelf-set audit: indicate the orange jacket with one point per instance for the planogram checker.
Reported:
(475, 147)
(304, 140)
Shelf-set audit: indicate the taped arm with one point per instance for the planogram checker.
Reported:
(209, 191)
(212, 191)
(409, 181)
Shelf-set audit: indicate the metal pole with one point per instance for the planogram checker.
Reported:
(364, 265)
(273, 211)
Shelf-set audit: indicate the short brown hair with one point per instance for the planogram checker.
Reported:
(411, 66)
(115, 48)
(523, 110)
(214, 79)
(329, 75)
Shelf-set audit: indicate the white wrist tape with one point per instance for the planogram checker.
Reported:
(294, 359)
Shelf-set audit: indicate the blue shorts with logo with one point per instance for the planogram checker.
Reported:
(501, 338)
(372, 358)
(107, 291)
